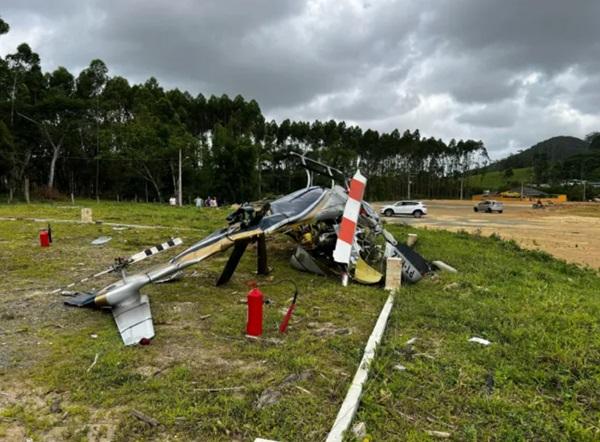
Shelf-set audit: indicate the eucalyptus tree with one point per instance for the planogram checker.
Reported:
(55, 115)
(90, 84)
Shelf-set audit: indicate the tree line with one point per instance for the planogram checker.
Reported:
(96, 135)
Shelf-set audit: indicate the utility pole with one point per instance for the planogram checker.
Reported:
(584, 183)
(462, 181)
(408, 189)
(180, 190)
(97, 150)
(522, 190)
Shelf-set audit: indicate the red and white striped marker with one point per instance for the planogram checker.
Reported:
(343, 247)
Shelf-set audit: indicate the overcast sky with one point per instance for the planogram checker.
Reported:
(508, 72)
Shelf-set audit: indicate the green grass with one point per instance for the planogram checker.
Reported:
(497, 181)
(537, 381)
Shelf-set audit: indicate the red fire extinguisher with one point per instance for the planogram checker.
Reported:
(44, 238)
(255, 312)
(255, 301)
(288, 315)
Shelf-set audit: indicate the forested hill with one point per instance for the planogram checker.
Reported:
(554, 150)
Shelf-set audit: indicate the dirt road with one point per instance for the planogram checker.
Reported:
(570, 231)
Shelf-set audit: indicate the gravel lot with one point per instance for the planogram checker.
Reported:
(570, 231)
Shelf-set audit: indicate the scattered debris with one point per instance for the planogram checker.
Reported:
(452, 286)
(328, 329)
(93, 363)
(268, 397)
(144, 418)
(399, 367)
(303, 390)
(411, 341)
(425, 355)
(297, 377)
(101, 240)
(443, 266)
(94, 336)
(273, 341)
(359, 430)
(213, 390)
(272, 395)
(148, 371)
(55, 406)
(203, 317)
(489, 382)
(118, 229)
(438, 434)
(479, 341)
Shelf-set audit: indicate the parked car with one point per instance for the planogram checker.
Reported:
(414, 208)
(489, 206)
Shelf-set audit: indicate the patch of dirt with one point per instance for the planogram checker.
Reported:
(568, 231)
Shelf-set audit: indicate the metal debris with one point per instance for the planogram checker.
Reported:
(479, 341)
(101, 240)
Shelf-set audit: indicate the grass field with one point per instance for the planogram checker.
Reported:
(202, 380)
(497, 181)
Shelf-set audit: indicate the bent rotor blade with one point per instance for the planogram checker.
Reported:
(81, 281)
(154, 250)
(343, 246)
(131, 260)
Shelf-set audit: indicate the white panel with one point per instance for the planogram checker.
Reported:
(352, 210)
(134, 320)
(360, 177)
(342, 252)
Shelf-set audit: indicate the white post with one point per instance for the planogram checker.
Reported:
(393, 273)
(86, 215)
(350, 404)
(411, 240)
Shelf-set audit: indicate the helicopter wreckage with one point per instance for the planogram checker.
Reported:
(336, 232)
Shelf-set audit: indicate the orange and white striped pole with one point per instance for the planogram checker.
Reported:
(343, 247)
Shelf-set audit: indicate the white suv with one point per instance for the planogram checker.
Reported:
(414, 208)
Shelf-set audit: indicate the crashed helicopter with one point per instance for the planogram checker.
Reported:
(336, 233)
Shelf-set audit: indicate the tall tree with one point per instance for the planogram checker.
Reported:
(90, 83)
(4, 27)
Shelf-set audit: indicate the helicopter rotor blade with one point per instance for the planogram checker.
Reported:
(140, 256)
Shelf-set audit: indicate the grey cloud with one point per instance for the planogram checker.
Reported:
(549, 35)
(587, 97)
(452, 68)
(499, 115)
